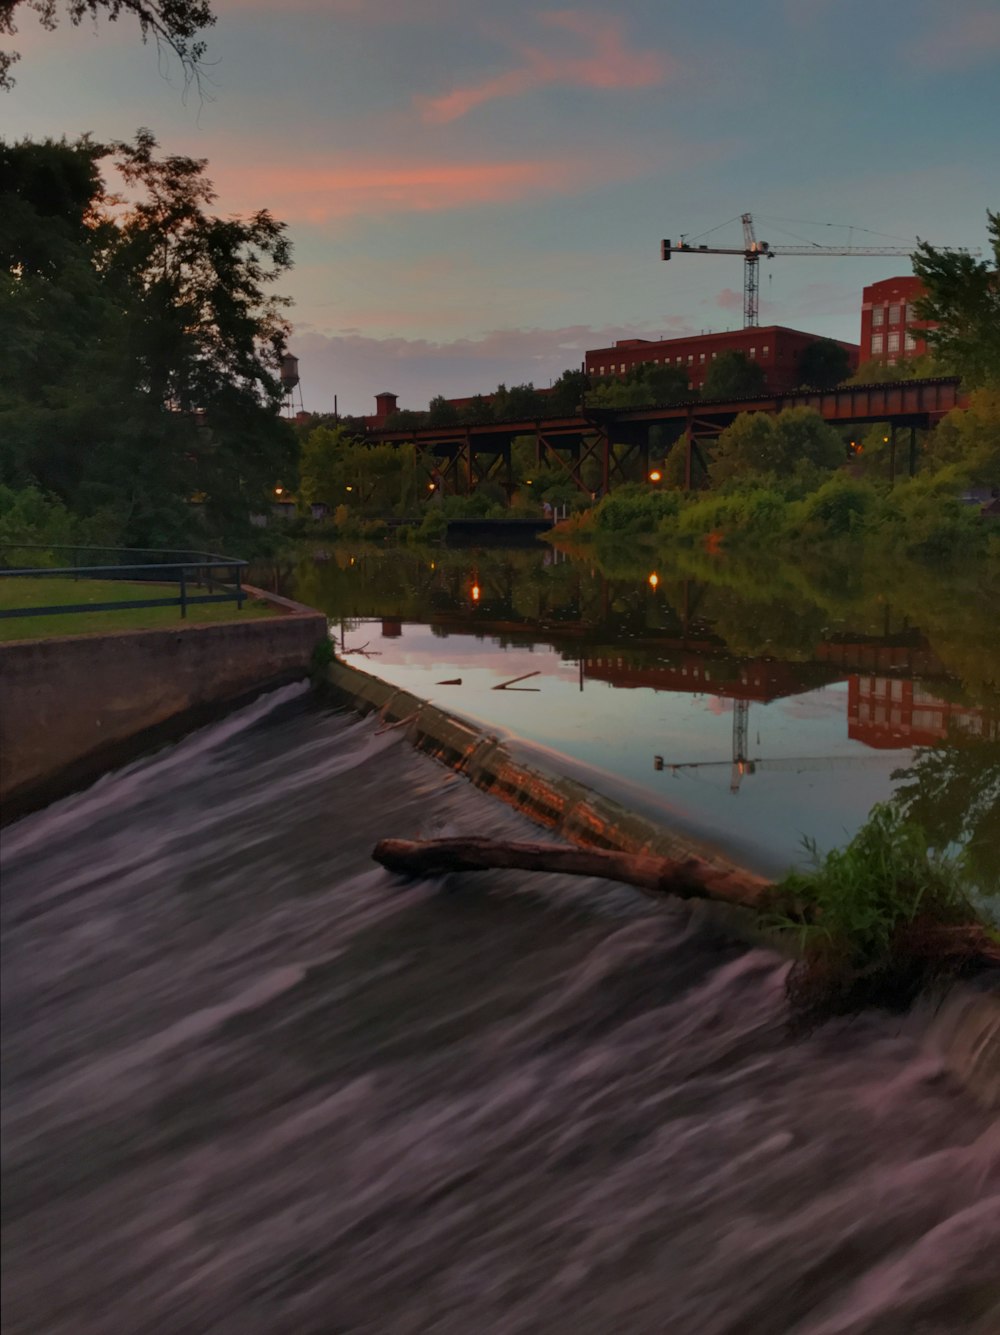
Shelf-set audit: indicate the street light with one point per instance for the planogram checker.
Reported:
(655, 475)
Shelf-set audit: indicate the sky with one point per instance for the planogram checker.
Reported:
(476, 191)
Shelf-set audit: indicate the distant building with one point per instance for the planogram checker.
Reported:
(385, 406)
(890, 330)
(776, 349)
(892, 713)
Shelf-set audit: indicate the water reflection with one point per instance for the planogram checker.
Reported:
(674, 686)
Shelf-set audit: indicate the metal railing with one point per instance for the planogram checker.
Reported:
(200, 577)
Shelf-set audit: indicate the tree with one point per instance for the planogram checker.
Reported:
(963, 297)
(477, 412)
(757, 444)
(823, 364)
(174, 23)
(567, 393)
(733, 376)
(141, 357)
(441, 412)
(517, 403)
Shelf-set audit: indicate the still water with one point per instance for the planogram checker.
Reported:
(752, 707)
(254, 1085)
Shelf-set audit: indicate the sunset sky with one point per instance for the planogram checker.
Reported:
(476, 191)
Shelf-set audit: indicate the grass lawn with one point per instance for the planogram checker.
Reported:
(44, 590)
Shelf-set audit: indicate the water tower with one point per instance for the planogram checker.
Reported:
(290, 381)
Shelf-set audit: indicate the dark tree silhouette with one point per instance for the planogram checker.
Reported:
(172, 23)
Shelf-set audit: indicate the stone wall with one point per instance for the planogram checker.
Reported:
(74, 706)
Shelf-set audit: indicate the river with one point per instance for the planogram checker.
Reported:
(253, 1083)
(753, 705)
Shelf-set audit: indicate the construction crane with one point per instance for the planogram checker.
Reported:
(742, 764)
(754, 251)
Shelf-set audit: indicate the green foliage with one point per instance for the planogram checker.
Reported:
(635, 508)
(643, 385)
(970, 439)
(842, 506)
(139, 369)
(963, 297)
(881, 373)
(823, 364)
(733, 376)
(758, 443)
(952, 790)
(29, 516)
(442, 413)
(859, 915)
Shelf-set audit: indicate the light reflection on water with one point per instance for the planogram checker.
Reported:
(750, 715)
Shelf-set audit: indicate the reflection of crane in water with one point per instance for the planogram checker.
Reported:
(742, 764)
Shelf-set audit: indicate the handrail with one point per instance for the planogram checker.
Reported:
(196, 570)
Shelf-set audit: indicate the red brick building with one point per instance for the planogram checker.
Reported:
(890, 330)
(893, 712)
(776, 348)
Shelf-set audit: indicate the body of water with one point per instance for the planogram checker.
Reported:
(754, 709)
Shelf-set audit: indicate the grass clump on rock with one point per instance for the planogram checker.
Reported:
(878, 919)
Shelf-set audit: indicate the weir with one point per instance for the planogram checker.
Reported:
(251, 1077)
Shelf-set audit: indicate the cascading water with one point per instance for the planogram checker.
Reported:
(252, 1083)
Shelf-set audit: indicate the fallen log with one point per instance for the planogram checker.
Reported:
(688, 878)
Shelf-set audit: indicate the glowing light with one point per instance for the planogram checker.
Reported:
(654, 579)
(348, 488)
(475, 593)
(885, 440)
(431, 486)
(433, 566)
(527, 482)
(279, 491)
(655, 475)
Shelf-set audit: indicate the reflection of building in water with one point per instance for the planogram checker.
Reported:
(759, 679)
(891, 712)
(392, 628)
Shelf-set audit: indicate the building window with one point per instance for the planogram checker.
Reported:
(893, 343)
(679, 360)
(894, 311)
(623, 368)
(765, 352)
(892, 361)
(690, 358)
(601, 371)
(877, 340)
(701, 356)
(878, 316)
(753, 354)
(714, 355)
(910, 342)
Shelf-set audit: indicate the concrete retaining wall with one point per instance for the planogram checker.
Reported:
(74, 706)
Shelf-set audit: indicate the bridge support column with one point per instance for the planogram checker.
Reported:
(913, 450)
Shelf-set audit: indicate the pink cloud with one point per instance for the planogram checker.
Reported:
(962, 40)
(347, 187)
(729, 299)
(606, 63)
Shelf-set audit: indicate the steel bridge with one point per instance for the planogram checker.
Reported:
(460, 458)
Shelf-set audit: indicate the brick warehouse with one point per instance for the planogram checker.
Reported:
(890, 331)
(776, 348)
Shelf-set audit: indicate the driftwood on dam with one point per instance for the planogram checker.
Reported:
(690, 878)
(687, 878)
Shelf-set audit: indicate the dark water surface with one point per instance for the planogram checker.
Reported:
(252, 1083)
(752, 705)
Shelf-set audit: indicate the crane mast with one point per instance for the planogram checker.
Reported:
(753, 251)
